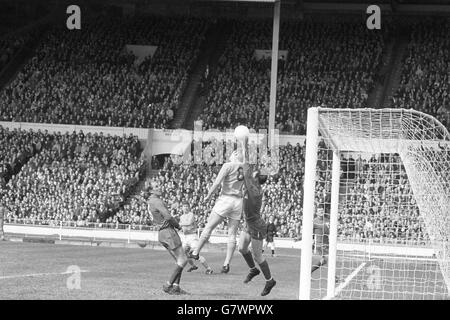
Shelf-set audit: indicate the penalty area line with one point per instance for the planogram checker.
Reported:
(347, 281)
(39, 274)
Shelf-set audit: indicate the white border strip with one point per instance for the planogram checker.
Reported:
(39, 274)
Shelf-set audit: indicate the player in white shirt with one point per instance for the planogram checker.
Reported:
(190, 238)
(228, 206)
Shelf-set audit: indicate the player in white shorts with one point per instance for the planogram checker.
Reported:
(189, 237)
(228, 206)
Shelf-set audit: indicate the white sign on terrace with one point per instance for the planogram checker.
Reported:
(129, 234)
(63, 128)
(141, 52)
(267, 54)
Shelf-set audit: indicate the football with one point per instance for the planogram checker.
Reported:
(241, 132)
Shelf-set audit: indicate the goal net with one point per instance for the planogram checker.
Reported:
(376, 211)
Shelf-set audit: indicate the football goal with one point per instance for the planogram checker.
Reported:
(376, 209)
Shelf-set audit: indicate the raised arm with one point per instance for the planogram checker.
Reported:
(245, 155)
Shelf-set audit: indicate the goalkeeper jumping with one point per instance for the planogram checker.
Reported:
(255, 227)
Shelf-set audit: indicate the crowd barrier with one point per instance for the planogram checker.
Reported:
(128, 233)
(63, 128)
(163, 141)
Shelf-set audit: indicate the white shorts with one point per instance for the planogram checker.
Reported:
(190, 241)
(228, 207)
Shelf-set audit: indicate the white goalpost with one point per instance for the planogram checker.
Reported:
(376, 205)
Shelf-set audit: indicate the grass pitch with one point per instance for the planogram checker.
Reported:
(39, 271)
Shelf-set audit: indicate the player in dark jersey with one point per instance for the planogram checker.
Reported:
(321, 232)
(168, 237)
(255, 227)
(271, 233)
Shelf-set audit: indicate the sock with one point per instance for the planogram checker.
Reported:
(231, 246)
(191, 262)
(177, 280)
(249, 259)
(265, 270)
(201, 242)
(203, 262)
(174, 275)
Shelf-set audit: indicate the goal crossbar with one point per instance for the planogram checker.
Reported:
(392, 130)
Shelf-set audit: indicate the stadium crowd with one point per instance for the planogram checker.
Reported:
(425, 79)
(331, 63)
(16, 148)
(10, 44)
(77, 177)
(89, 78)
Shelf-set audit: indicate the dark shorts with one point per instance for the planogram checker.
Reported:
(169, 238)
(257, 229)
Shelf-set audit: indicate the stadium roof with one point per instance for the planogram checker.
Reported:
(426, 2)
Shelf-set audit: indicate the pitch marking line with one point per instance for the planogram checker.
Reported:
(347, 281)
(39, 274)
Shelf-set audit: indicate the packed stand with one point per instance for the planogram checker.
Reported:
(10, 45)
(78, 178)
(331, 63)
(425, 77)
(87, 77)
(16, 148)
(380, 205)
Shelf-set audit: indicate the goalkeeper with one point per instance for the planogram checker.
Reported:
(255, 227)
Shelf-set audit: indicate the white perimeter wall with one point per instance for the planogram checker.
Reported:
(136, 235)
(163, 141)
